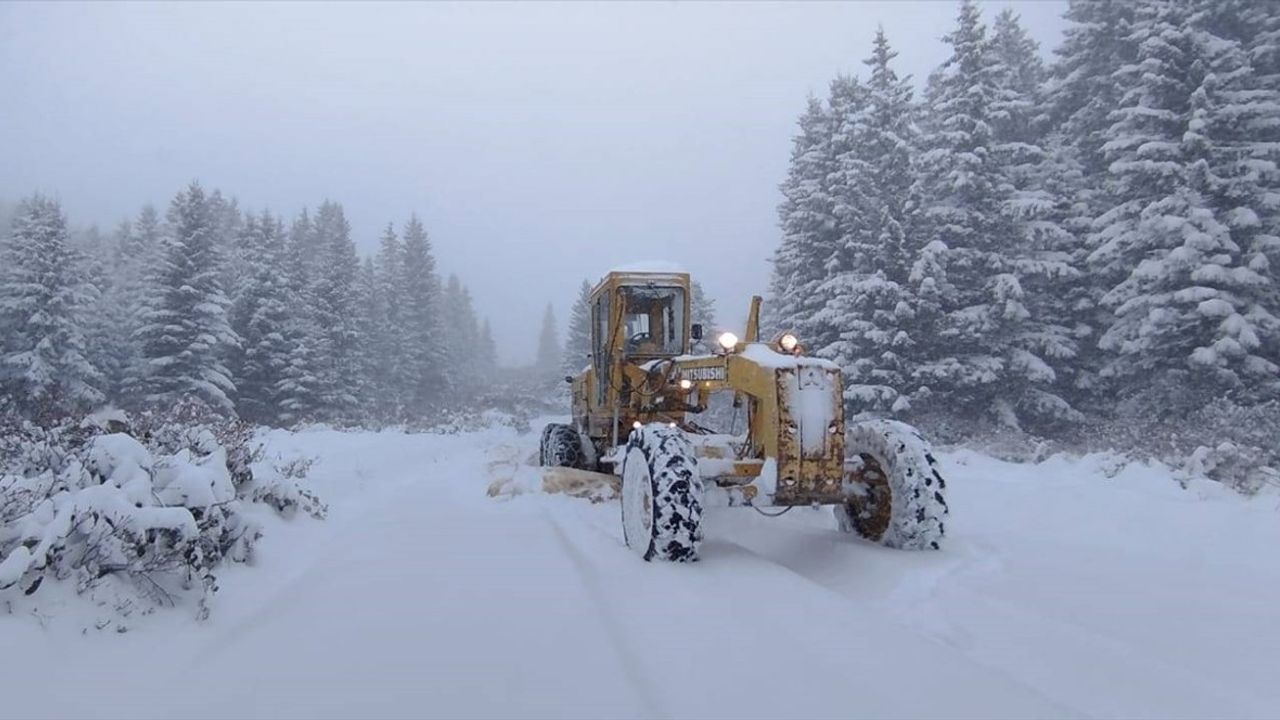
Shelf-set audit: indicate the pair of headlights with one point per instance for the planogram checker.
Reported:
(787, 342)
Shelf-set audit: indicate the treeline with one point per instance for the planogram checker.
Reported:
(1048, 247)
(276, 324)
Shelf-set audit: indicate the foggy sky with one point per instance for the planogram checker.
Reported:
(540, 143)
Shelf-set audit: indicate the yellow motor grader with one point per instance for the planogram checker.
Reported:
(633, 416)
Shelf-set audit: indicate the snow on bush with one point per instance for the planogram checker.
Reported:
(138, 519)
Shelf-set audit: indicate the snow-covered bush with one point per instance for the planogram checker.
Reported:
(1232, 443)
(139, 518)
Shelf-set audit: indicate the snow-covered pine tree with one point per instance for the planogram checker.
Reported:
(981, 359)
(1191, 309)
(229, 225)
(463, 332)
(547, 362)
(488, 352)
(1082, 92)
(1097, 42)
(260, 317)
(115, 351)
(43, 297)
(369, 410)
(577, 341)
(336, 313)
(299, 387)
(139, 254)
(704, 314)
(868, 303)
(1043, 250)
(426, 377)
(185, 335)
(1235, 130)
(99, 321)
(808, 224)
(384, 326)
(847, 258)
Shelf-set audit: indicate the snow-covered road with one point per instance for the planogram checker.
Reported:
(1062, 593)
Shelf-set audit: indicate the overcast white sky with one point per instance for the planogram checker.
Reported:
(540, 142)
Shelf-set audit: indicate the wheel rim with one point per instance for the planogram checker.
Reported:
(637, 502)
(870, 514)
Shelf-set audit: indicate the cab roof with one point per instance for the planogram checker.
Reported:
(626, 277)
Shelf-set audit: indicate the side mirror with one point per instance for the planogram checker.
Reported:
(568, 378)
(696, 331)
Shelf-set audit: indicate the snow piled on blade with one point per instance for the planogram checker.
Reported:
(1078, 587)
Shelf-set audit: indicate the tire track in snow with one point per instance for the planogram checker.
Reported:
(947, 638)
(595, 591)
(1093, 680)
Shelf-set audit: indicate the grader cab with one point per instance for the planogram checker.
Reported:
(635, 409)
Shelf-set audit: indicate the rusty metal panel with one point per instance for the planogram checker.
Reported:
(810, 435)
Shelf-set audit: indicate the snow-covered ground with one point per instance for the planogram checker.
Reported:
(1063, 593)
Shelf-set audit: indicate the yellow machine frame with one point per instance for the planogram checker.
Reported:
(785, 459)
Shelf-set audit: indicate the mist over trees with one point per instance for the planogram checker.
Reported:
(1091, 242)
(277, 325)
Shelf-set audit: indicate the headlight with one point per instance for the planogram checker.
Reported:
(789, 342)
(727, 340)
(685, 384)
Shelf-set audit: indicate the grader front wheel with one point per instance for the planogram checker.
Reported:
(661, 495)
(896, 497)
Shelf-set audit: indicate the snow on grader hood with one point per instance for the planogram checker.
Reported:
(634, 417)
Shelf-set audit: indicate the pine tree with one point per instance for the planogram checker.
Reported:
(333, 289)
(577, 341)
(384, 327)
(43, 297)
(488, 354)
(228, 234)
(1043, 251)
(704, 314)
(99, 322)
(137, 265)
(1191, 315)
(370, 314)
(808, 223)
(1234, 131)
(985, 353)
(185, 334)
(1082, 93)
(868, 303)
(299, 388)
(463, 331)
(847, 256)
(117, 350)
(1097, 42)
(260, 317)
(426, 377)
(548, 360)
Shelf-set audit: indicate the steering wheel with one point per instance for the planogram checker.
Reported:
(638, 338)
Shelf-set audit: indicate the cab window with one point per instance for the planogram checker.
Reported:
(653, 321)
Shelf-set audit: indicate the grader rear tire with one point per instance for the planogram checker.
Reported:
(661, 495)
(901, 504)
